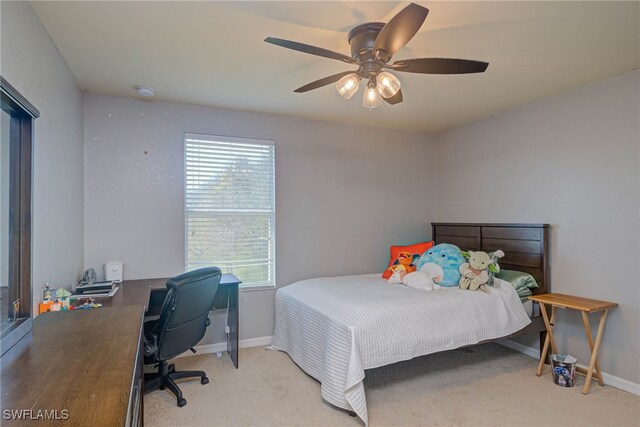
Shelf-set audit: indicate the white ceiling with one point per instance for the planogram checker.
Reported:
(212, 53)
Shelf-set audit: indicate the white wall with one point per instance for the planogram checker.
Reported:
(32, 64)
(343, 193)
(572, 161)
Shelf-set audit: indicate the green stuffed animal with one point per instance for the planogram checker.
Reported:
(478, 272)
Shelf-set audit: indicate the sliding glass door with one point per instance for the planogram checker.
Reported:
(5, 165)
(16, 146)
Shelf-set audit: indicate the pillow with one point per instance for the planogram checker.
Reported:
(521, 281)
(449, 258)
(405, 255)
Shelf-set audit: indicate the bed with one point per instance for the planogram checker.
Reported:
(335, 328)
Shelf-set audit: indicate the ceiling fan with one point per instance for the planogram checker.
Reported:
(373, 44)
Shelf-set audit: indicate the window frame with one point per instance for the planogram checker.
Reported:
(241, 140)
(22, 115)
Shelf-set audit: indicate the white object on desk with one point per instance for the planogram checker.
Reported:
(113, 270)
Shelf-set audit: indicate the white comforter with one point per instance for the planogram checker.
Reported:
(336, 327)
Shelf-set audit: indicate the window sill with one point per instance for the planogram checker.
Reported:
(257, 288)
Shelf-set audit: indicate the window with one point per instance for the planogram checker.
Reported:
(16, 146)
(230, 206)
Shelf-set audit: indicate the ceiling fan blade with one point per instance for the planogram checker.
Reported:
(322, 82)
(400, 29)
(439, 66)
(395, 99)
(313, 50)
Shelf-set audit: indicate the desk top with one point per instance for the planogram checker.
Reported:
(82, 361)
(137, 292)
(576, 303)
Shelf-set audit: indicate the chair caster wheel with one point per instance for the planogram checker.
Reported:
(161, 387)
(204, 380)
(182, 402)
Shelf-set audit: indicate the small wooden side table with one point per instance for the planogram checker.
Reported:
(585, 306)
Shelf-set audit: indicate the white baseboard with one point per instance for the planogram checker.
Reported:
(222, 346)
(256, 342)
(521, 348)
(612, 380)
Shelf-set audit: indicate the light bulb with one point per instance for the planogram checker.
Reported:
(388, 84)
(371, 98)
(348, 85)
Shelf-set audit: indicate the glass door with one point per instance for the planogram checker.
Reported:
(5, 146)
(16, 146)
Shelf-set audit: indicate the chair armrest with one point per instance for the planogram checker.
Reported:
(150, 347)
(150, 339)
(154, 318)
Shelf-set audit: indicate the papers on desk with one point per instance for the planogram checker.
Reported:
(96, 294)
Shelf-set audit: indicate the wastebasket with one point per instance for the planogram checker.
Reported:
(564, 369)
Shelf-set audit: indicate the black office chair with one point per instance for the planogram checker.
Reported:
(181, 325)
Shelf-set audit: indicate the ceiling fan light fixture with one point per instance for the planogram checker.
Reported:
(371, 98)
(348, 85)
(388, 84)
(373, 45)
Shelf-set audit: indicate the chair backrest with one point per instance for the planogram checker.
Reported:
(184, 316)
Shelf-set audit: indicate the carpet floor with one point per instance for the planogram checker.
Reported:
(492, 386)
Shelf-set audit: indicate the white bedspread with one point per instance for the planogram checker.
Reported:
(336, 327)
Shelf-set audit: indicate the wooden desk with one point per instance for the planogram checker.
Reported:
(85, 362)
(585, 306)
(141, 292)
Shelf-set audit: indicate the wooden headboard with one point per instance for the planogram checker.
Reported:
(526, 246)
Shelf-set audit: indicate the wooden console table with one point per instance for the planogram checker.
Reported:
(77, 368)
(585, 306)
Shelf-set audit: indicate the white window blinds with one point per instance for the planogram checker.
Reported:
(230, 206)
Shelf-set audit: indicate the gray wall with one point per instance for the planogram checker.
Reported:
(573, 161)
(343, 193)
(32, 64)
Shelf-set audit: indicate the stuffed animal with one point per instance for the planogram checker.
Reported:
(495, 256)
(404, 263)
(449, 258)
(405, 259)
(427, 278)
(475, 273)
(397, 276)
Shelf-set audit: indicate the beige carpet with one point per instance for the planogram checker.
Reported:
(493, 386)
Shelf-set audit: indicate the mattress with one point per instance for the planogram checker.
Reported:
(337, 327)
